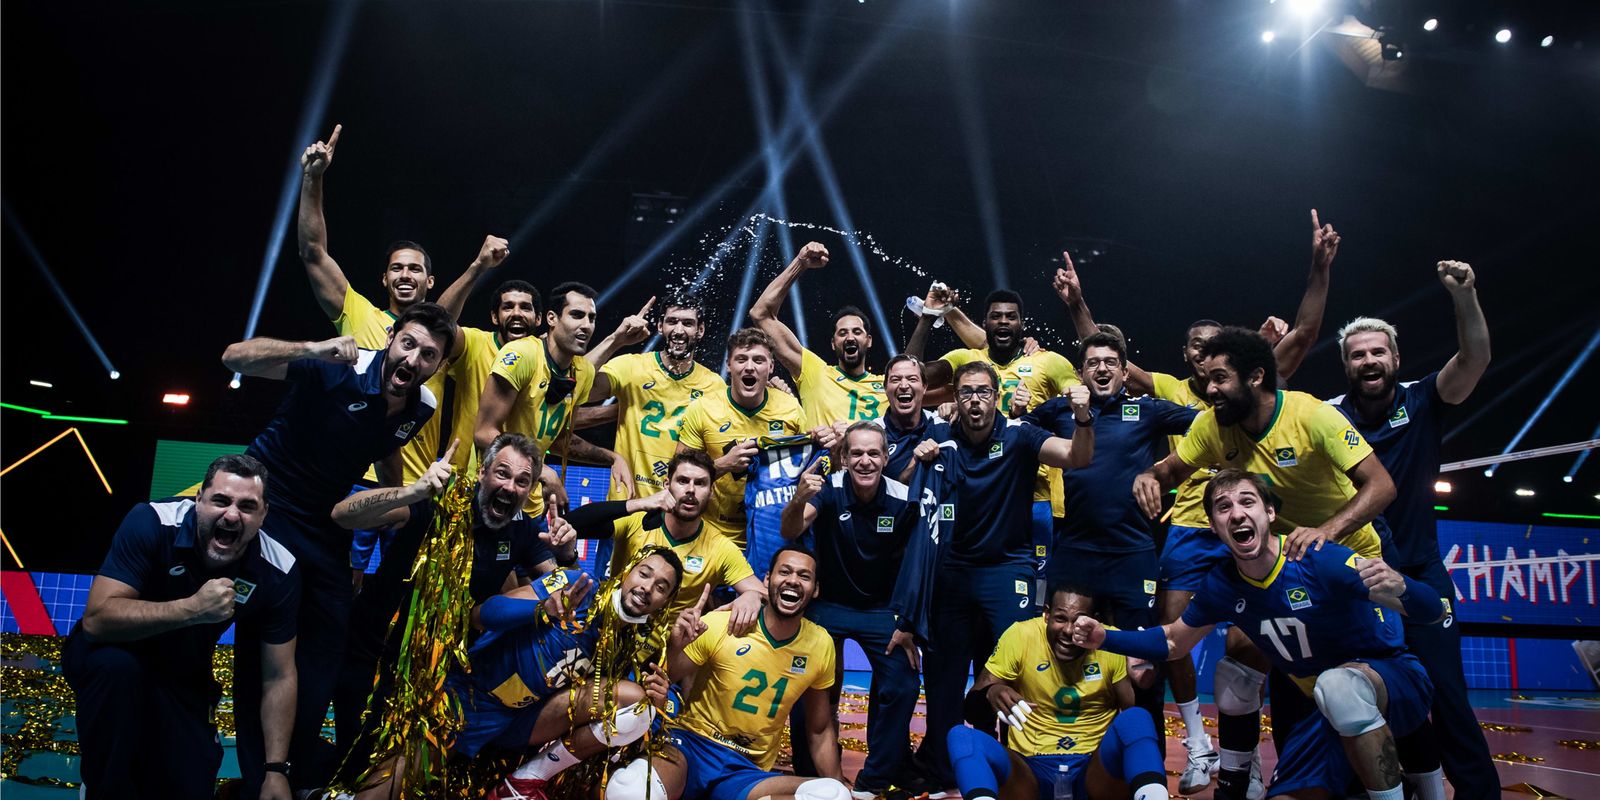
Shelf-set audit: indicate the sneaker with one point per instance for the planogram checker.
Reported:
(918, 784)
(1203, 763)
(1256, 790)
(859, 792)
(519, 789)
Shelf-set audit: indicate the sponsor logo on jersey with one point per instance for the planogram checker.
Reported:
(1066, 743)
(1399, 417)
(1238, 608)
(1130, 412)
(510, 359)
(1285, 457)
(1352, 439)
(554, 581)
(893, 446)
(648, 386)
(1298, 598)
(1230, 455)
(659, 469)
(797, 665)
(502, 551)
(177, 569)
(242, 589)
(725, 427)
(997, 450)
(694, 564)
(354, 407)
(844, 516)
(1042, 667)
(744, 648)
(885, 524)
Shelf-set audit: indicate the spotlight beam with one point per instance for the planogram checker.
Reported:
(1583, 456)
(1572, 369)
(324, 75)
(55, 287)
(968, 103)
(747, 281)
(735, 178)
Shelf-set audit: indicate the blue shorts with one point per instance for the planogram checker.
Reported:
(1188, 555)
(1310, 755)
(486, 722)
(1124, 584)
(1046, 769)
(715, 771)
(1409, 688)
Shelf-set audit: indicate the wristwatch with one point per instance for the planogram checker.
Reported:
(280, 767)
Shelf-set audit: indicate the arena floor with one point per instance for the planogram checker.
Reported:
(1544, 745)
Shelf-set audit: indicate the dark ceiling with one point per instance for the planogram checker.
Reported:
(146, 146)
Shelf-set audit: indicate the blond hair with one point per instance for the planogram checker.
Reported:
(1367, 325)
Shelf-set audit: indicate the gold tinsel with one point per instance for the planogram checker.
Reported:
(419, 719)
(1503, 728)
(39, 696)
(1517, 758)
(1579, 744)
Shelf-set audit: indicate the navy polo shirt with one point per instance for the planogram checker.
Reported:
(990, 485)
(1407, 439)
(333, 424)
(1101, 513)
(157, 552)
(495, 554)
(860, 544)
(902, 443)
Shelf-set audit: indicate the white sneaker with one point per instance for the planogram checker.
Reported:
(1256, 790)
(1203, 763)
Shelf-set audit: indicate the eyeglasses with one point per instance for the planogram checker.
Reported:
(980, 392)
(1111, 361)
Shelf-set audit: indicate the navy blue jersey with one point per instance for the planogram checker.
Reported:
(157, 552)
(990, 485)
(1101, 513)
(495, 554)
(1308, 616)
(903, 442)
(1407, 440)
(861, 544)
(768, 486)
(526, 664)
(330, 428)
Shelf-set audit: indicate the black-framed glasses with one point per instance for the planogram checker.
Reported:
(980, 392)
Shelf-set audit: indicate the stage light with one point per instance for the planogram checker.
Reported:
(1561, 383)
(1430, 25)
(1268, 36)
(1443, 487)
(1566, 479)
(1488, 473)
(1577, 463)
(55, 286)
(175, 399)
(115, 374)
(1305, 8)
(1547, 41)
(234, 384)
(1503, 36)
(1524, 492)
(42, 384)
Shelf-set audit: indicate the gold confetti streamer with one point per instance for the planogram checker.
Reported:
(1500, 727)
(1579, 744)
(1517, 758)
(39, 695)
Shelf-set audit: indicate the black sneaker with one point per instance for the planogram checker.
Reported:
(919, 784)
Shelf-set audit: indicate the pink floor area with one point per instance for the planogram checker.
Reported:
(1518, 729)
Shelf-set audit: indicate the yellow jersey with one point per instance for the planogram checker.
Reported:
(747, 685)
(1045, 374)
(468, 374)
(708, 557)
(713, 425)
(1073, 703)
(525, 365)
(1303, 455)
(369, 326)
(1188, 507)
(829, 395)
(651, 401)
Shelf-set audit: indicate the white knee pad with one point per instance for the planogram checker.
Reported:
(1349, 701)
(1237, 688)
(822, 789)
(633, 781)
(628, 724)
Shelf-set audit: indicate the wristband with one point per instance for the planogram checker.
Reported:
(1420, 602)
(280, 767)
(1149, 644)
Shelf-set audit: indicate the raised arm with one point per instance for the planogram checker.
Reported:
(765, 311)
(798, 513)
(280, 685)
(1157, 645)
(580, 450)
(490, 255)
(383, 508)
(1070, 289)
(1291, 350)
(262, 357)
(328, 283)
(114, 612)
(494, 405)
(1077, 452)
(632, 330)
(1462, 372)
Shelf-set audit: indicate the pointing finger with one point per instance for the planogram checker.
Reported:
(645, 310)
(1316, 224)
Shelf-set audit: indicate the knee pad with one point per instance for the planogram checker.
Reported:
(821, 789)
(634, 781)
(1237, 688)
(1134, 723)
(1349, 701)
(626, 726)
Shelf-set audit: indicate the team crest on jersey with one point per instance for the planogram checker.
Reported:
(1130, 412)
(502, 551)
(725, 427)
(1091, 671)
(797, 665)
(877, 386)
(648, 386)
(1399, 417)
(1149, 587)
(694, 564)
(1298, 598)
(997, 450)
(510, 359)
(1352, 439)
(775, 426)
(1022, 587)
(694, 394)
(947, 511)
(1285, 457)
(404, 430)
(1025, 369)
(1040, 551)
(885, 524)
(742, 650)
(242, 589)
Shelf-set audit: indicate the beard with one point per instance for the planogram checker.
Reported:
(1360, 388)
(1235, 408)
